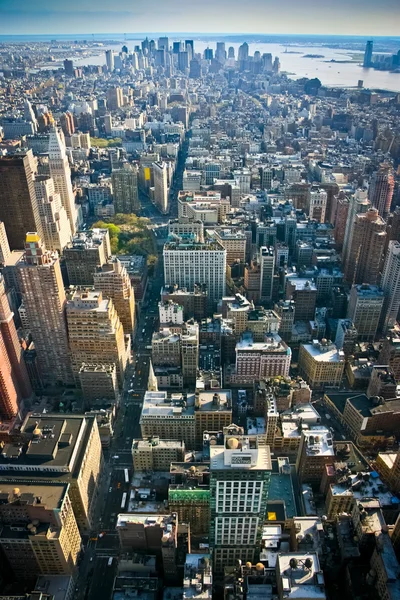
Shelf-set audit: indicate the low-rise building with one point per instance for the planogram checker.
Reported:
(321, 364)
(153, 454)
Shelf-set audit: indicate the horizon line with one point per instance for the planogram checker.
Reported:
(201, 33)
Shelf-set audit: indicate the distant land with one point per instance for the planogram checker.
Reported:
(381, 43)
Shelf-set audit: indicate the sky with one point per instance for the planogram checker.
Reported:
(342, 17)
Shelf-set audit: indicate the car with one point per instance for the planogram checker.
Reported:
(91, 559)
(119, 485)
(115, 457)
(110, 490)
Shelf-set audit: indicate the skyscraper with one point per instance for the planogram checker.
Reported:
(110, 60)
(60, 172)
(220, 53)
(365, 252)
(239, 483)
(125, 189)
(364, 309)
(189, 47)
(391, 286)
(44, 299)
(96, 335)
(243, 53)
(381, 189)
(13, 347)
(113, 280)
(87, 251)
(18, 206)
(4, 245)
(368, 54)
(189, 263)
(359, 204)
(267, 264)
(56, 227)
(69, 67)
(114, 97)
(161, 186)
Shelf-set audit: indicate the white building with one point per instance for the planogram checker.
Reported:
(170, 313)
(60, 172)
(318, 201)
(187, 263)
(391, 286)
(55, 223)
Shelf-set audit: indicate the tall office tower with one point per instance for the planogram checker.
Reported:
(160, 172)
(390, 284)
(243, 53)
(42, 289)
(239, 482)
(60, 448)
(195, 70)
(183, 61)
(29, 114)
(69, 67)
(5, 251)
(190, 352)
(13, 347)
(267, 265)
(56, 228)
(381, 189)
(60, 172)
(368, 53)
(96, 334)
(18, 207)
(48, 540)
(163, 42)
(187, 264)
(110, 60)
(114, 98)
(87, 251)
(177, 47)
(365, 252)
(160, 57)
(113, 280)
(231, 52)
(318, 202)
(208, 54)
(364, 309)
(67, 123)
(359, 204)
(125, 189)
(189, 47)
(220, 53)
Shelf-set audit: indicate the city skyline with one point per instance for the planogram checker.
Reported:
(359, 18)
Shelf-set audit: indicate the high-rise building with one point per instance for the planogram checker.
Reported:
(189, 495)
(318, 203)
(189, 47)
(5, 251)
(114, 98)
(113, 280)
(267, 264)
(61, 448)
(190, 352)
(110, 60)
(220, 53)
(161, 190)
(231, 52)
(56, 227)
(187, 264)
(368, 53)
(183, 61)
(60, 172)
(163, 42)
(239, 482)
(49, 541)
(213, 412)
(359, 204)
(381, 189)
(315, 451)
(67, 123)
(390, 284)
(95, 332)
(88, 251)
(321, 364)
(125, 189)
(243, 53)
(69, 67)
(366, 249)
(18, 206)
(169, 418)
(12, 361)
(42, 290)
(364, 309)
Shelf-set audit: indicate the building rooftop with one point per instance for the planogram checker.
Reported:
(324, 352)
(364, 485)
(240, 452)
(301, 575)
(50, 496)
(318, 442)
(213, 400)
(49, 442)
(158, 404)
(272, 343)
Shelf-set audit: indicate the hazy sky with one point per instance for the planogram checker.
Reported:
(357, 17)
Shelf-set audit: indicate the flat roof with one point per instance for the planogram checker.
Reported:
(301, 582)
(208, 401)
(50, 495)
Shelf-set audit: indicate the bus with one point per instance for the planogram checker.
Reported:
(110, 561)
(123, 500)
(126, 473)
